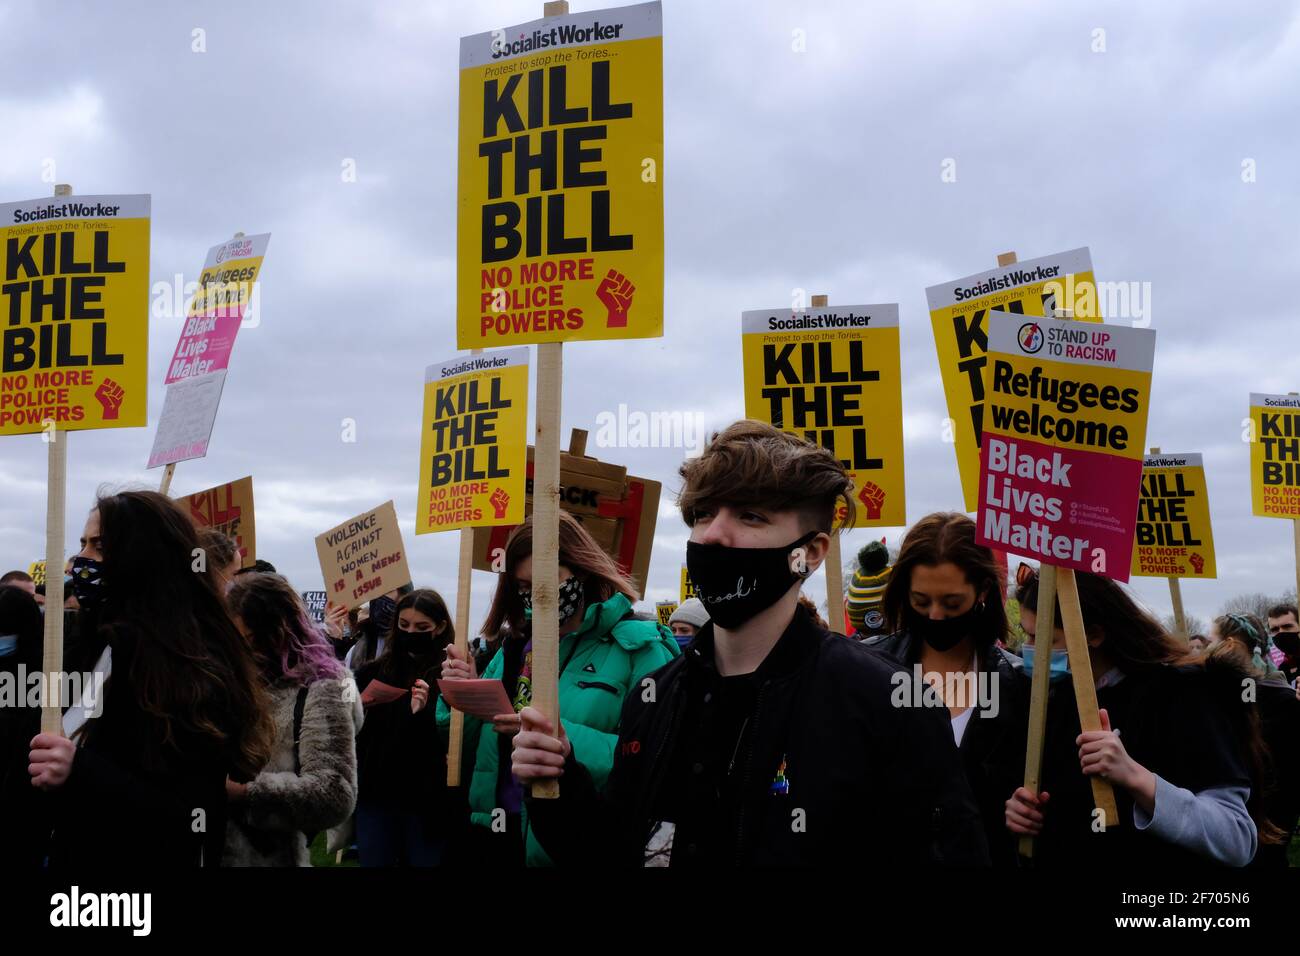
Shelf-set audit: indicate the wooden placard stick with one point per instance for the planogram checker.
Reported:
(546, 545)
(464, 578)
(56, 486)
(1176, 595)
(546, 525)
(834, 563)
(1039, 688)
(1085, 691)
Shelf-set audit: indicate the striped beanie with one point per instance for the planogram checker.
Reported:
(867, 590)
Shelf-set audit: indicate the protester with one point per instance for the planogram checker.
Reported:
(404, 811)
(19, 579)
(943, 601)
(771, 741)
(864, 603)
(1284, 629)
(309, 783)
(604, 655)
(223, 558)
(1196, 644)
(183, 706)
(22, 844)
(687, 620)
(1241, 639)
(1177, 744)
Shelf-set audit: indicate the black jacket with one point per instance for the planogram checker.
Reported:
(401, 757)
(827, 770)
(1183, 723)
(133, 799)
(993, 746)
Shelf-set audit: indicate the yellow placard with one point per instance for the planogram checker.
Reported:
(74, 306)
(665, 611)
(474, 449)
(958, 314)
(1174, 539)
(832, 376)
(687, 586)
(560, 217)
(1275, 455)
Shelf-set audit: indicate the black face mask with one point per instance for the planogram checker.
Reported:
(734, 584)
(416, 643)
(944, 633)
(87, 581)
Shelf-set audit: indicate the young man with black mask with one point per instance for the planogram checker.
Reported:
(770, 741)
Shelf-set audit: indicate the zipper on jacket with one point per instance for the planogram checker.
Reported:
(584, 684)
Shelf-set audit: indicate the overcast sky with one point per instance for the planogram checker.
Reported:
(818, 169)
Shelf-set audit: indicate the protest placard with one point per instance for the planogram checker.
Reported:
(473, 449)
(1064, 426)
(560, 223)
(832, 375)
(1173, 538)
(75, 302)
(188, 414)
(363, 558)
(227, 285)
(228, 508)
(958, 312)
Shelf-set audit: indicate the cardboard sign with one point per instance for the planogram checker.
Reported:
(363, 557)
(228, 508)
(665, 610)
(1173, 537)
(687, 586)
(215, 313)
(832, 376)
(36, 571)
(473, 453)
(560, 231)
(189, 412)
(74, 306)
(1064, 428)
(617, 509)
(1275, 455)
(958, 313)
(314, 602)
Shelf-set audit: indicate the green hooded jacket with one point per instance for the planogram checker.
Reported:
(603, 661)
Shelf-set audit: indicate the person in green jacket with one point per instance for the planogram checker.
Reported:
(605, 653)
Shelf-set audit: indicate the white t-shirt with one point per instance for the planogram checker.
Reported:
(959, 724)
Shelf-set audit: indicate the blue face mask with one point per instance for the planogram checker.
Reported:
(1060, 667)
(8, 644)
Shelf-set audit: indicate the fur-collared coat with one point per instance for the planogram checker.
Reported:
(269, 826)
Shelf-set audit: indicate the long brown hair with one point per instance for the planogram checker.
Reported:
(1136, 642)
(288, 645)
(191, 668)
(948, 538)
(601, 577)
(1132, 637)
